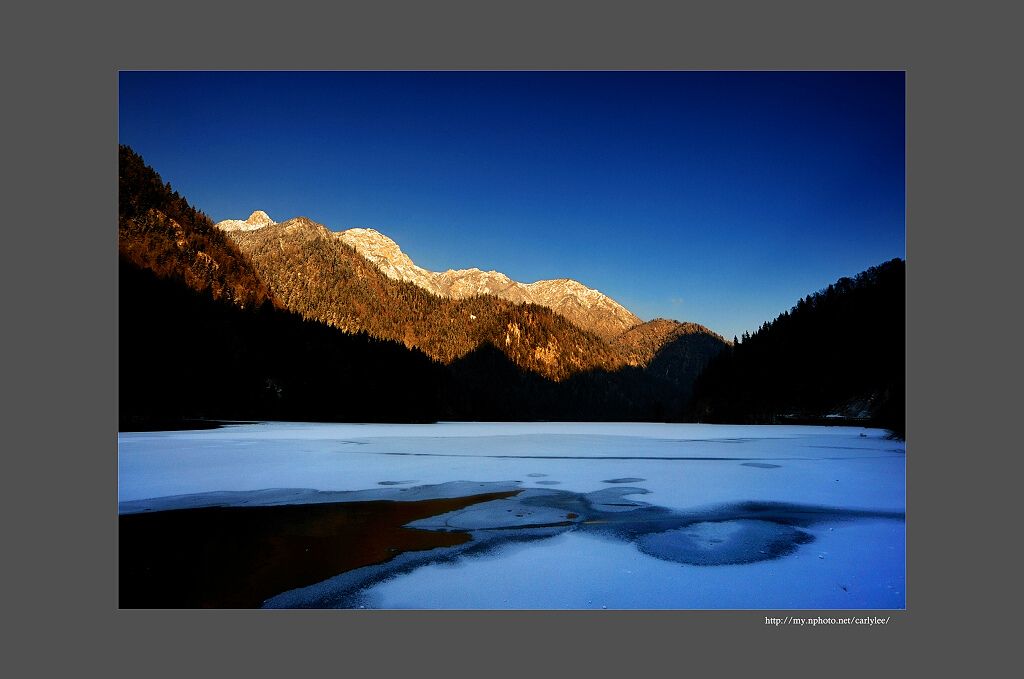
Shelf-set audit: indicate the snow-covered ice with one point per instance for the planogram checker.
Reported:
(819, 509)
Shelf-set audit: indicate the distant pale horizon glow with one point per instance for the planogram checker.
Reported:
(718, 198)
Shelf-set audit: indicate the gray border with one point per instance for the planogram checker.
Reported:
(959, 109)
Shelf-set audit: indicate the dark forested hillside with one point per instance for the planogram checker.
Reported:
(487, 385)
(185, 355)
(839, 352)
(159, 230)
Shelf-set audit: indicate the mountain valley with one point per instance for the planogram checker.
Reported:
(256, 319)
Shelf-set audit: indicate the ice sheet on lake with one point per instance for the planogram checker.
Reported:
(685, 465)
(678, 469)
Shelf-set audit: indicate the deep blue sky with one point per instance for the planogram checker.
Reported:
(717, 198)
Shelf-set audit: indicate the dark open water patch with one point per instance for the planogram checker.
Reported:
(627, 479)
(761, 465)
(237, 557)
(395, 483)
(549, 483)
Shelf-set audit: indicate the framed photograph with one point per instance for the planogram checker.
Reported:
(512, 340)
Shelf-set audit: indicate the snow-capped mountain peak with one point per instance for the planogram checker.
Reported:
(256, 220)
(586, 307)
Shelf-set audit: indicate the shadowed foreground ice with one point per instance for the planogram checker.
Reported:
(609, 515)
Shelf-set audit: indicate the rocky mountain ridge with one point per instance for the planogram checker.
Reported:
(583, 306)
(317, 275)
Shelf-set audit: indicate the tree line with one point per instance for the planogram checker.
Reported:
(839, 351)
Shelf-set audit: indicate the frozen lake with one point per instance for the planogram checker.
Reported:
(594, 515)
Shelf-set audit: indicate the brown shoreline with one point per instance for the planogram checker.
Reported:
(237, 557)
